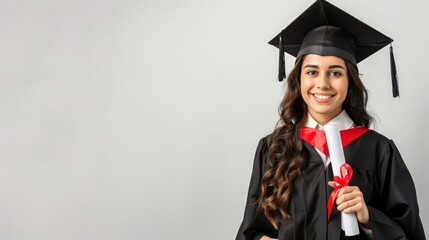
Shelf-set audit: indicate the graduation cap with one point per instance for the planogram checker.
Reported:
(326, 30)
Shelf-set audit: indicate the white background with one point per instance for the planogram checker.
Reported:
(126, 119)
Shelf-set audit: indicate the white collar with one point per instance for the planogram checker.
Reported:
(343, 120)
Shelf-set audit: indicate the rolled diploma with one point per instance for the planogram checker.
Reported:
(333, 138)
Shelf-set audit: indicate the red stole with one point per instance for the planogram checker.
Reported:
(317, 137)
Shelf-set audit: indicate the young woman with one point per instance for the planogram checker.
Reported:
(292, 176)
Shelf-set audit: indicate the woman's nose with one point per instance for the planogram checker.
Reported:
(323, 82)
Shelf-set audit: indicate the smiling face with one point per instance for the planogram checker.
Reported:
(324, 84)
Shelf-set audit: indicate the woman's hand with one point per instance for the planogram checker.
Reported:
(267, 238)
(350, 199)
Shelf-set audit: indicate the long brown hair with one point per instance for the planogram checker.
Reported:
(286, 152)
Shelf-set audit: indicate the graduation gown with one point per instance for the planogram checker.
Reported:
(378, 171)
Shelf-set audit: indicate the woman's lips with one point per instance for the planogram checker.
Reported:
(322, 98)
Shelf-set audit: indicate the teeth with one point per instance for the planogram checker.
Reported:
(322, 96)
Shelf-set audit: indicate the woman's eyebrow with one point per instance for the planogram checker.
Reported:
(316, 66)
(311, 66)
(336, 66)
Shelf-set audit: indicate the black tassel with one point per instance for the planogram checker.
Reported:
(282, 68)
(395, 87)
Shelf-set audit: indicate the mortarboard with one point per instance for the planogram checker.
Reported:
(324, 29)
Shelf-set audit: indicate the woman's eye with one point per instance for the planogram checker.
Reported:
(335, 74)
(311, 72)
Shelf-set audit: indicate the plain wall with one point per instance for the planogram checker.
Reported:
(139, 119)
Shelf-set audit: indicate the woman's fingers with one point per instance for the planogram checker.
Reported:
(331, 183)
(351, 205)
(350, 199)
(348, 193)
(349, 196)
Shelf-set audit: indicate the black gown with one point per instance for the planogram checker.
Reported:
(378, 171)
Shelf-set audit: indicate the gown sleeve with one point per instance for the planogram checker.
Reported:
(397, 215)
(255, 224)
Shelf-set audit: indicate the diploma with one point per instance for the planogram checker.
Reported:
(333, 138)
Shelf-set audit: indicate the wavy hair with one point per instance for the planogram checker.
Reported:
(286, 152)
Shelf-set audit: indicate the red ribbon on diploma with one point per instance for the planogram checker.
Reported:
(339, 183)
